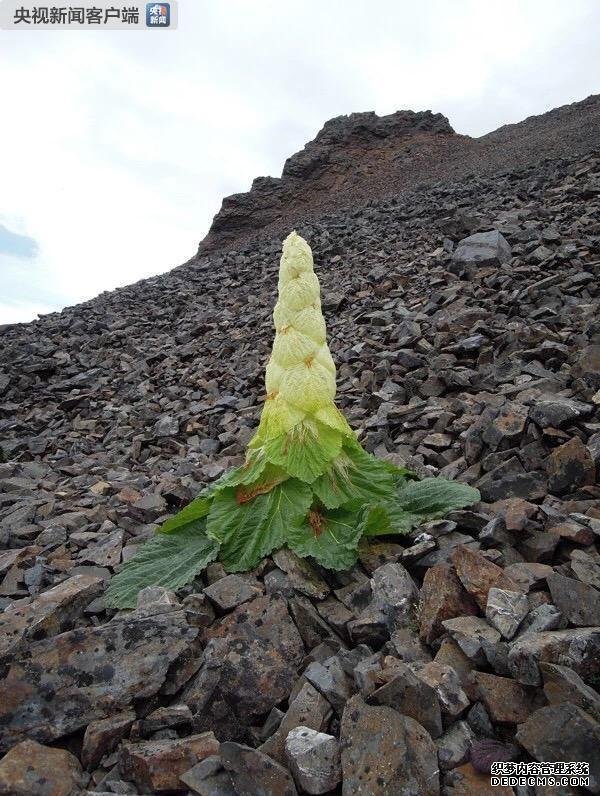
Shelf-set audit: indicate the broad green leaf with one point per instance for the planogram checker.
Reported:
(249, 531)
(435, 497)
(388, 518)
(306, 451)
(330, 538)
(195, 510)
(356, 477)
(169, 560)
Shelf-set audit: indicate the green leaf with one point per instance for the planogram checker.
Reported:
(435, 497)
(169, 560)
(356, 477)
(249, 531)
(306, 451)
(195, 510)
(388, 518)
(331, 538)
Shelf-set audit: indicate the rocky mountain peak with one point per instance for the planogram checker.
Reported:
(363, 156)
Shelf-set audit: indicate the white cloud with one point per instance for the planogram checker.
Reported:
(118, 147)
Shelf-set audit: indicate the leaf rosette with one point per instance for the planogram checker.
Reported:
(306, 483)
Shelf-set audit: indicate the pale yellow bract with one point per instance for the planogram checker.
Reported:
(300, 376)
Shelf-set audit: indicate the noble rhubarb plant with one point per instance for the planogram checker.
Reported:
(306, 483)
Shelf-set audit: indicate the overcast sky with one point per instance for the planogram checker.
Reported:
(119, 146)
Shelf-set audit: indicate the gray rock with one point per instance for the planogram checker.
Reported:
(384, 752)
(412, 696)
(43, 695)
(209, 778)
(232, 590)
(330, 680)
(474, 636)
(395, 594)
(506, 610)
(46, 615)
(563, 731)
(446, 683)
(556, 411)
(454, 745)
(166, 426)
(253, 773)
(544, 617)
(577, 601)
(578, 649)
(248, 667)
(309, 709)
(314, 759)
(562, 684)
(482, 249)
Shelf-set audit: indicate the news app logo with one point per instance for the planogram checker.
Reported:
(158, 15)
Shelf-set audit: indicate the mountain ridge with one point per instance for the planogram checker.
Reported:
(363, 156)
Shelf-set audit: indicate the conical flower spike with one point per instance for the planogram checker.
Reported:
(300, 429)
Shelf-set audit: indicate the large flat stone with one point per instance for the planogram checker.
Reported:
(63, 683)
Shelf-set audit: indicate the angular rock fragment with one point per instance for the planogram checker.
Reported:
(442, 597)
(252, 772)
(384, 752)
(314, 760)
(564, 731)
(102, 736)
(455, 744)
(47, 614)
(248, 667)
(65, 682)
(232, 590)
(30, 768)
(309, 709)
(577, 601)
(474, 636)
(478, 575)
(507, 701)
(412, 696)
(157, 765)
(506, 610)
(578, 649)
(562, 684)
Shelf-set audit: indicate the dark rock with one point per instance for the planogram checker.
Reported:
(309, 709)
(64, 683)
(562, 684)
(569, 466)
(563, 731)
(442, 597)
(411, 696)
(385, 752)
(249, 664)
(577, 601)
(157, 765)
(252, 772)
(578, 648)
(102, 736)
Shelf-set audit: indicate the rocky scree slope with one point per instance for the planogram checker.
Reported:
(464, 320)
